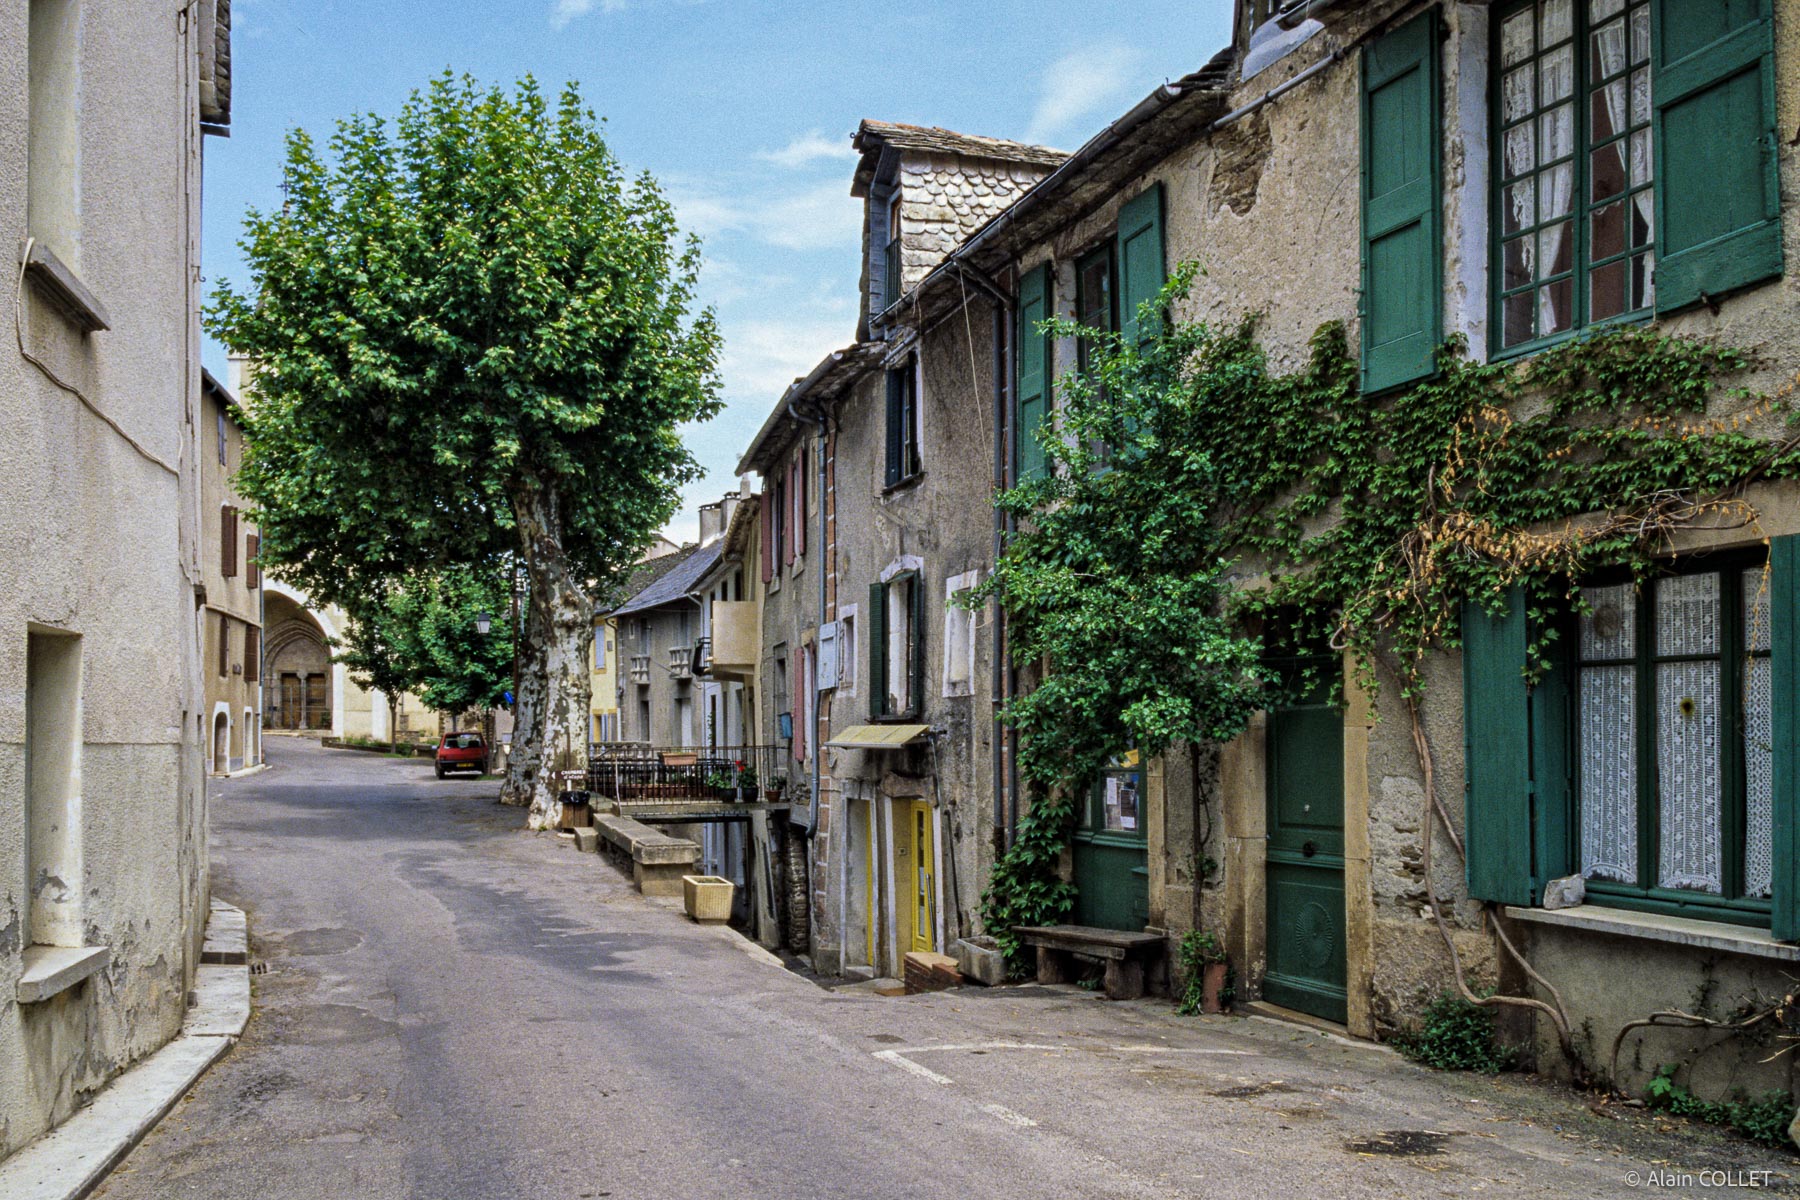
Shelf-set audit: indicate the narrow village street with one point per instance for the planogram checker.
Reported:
(447, 1006)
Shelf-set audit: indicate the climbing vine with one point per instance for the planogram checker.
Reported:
(1202, 501)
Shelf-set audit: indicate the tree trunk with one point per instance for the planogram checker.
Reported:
(560, 641)
(393, 725)
(524, 761)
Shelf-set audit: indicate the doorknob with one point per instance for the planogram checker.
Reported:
(1308, 850)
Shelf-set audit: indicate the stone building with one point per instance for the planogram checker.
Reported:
(232, 652)
(657, 630)
(1417, 171)
(880, 461)
(104, 889)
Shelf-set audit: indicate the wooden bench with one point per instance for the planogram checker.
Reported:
(1126, 955)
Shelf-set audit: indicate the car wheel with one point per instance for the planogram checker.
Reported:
(481, 768)
(440, 770)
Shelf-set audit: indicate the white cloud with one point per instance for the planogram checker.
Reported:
(821, 217)
(567, 10)
(763, 356)
(809, 148)
(1078, 84)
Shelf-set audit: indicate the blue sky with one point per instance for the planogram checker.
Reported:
(742, 108)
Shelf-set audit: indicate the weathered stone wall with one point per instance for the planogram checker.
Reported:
(940, 523)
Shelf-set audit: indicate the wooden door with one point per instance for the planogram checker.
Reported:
(1112, 868)
(1305, 868)
(924, 876)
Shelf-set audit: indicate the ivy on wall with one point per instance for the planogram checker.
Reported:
(1187, 462)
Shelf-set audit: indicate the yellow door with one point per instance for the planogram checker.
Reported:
(924, 866)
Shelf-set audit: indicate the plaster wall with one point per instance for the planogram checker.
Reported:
(102, 541)
(236, 694)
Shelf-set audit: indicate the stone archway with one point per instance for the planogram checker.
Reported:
(296, 667)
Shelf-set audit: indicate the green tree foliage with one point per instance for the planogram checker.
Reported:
(1114, 585)
(420, 635)
(472, 337)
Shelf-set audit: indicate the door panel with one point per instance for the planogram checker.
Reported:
(924, 866)
(1112, 871)
(1305, 870)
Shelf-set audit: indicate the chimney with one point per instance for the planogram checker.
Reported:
(712, 523)
(729, 505)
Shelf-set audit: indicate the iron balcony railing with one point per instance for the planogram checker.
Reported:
(631, 773)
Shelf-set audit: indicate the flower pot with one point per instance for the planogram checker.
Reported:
(1212, 983)
(707, 898)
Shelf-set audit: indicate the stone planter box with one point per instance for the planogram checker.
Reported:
(979, 958)
(708, 898)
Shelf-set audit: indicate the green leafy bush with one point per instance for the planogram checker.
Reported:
(1456, 1035)
(1198, 949)
(1763, 1120)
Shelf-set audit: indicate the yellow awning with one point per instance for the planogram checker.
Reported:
(878, 737)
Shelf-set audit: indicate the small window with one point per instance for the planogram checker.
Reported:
(1576, 169)
(1674, 742)
(228, 541)
(52, 782)
(893, 257)
(599, 647)
(903, 461)
(224, 644)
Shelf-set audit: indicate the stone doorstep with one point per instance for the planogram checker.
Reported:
(587, 840)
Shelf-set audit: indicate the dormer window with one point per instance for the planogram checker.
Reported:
(891, 256)
(1272, 29)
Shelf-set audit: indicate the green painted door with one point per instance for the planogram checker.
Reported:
(1112, 870)
(1306, 843)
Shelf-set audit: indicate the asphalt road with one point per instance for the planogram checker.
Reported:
(451, 1008)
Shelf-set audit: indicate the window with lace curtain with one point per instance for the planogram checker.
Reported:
(1574, 169)
(1673, 746)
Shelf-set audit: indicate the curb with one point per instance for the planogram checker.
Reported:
(72, 1159)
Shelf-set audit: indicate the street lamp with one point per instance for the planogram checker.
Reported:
(483, 623)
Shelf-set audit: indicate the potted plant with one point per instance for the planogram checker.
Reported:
(777, 785)
(747, 782)
(1206, 968)
(719, 784)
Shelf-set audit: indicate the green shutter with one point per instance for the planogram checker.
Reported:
(875, 623)
(1784, 668)
(1497, 737)
(1718, 201)
(1143, 268)
(896, 434)
(1402, 191)
(1033, 408)
(916, 693)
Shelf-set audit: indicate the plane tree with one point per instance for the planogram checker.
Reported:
(473, 336)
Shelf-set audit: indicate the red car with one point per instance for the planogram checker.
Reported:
(459, 751)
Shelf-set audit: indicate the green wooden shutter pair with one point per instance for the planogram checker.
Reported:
(1519, 806)
(1515, 740)
(877, 627)
(1402, 194)
(1032, 411)
(916, 693)
(1142, 263)
(1718, 201)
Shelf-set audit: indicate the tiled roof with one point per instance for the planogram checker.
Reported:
(933, 140)
(677, 583)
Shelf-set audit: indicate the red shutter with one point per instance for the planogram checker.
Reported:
(252, 647)
(787, 543)
(224, 644)
(252, 568)
(227, 541)
(800, 475)
(768, 535)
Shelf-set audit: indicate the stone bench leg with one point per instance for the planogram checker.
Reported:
(1124, 979)
(1053, 965)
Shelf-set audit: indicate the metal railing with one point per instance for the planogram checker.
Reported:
(639, 773)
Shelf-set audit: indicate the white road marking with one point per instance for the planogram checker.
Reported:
(900, 1060)
(1009, 1116)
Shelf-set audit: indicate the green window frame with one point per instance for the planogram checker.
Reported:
(1672, 753)
(904, 463)
(1574, 172)
(1096, 298)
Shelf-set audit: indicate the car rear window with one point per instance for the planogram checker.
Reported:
(462, 741)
